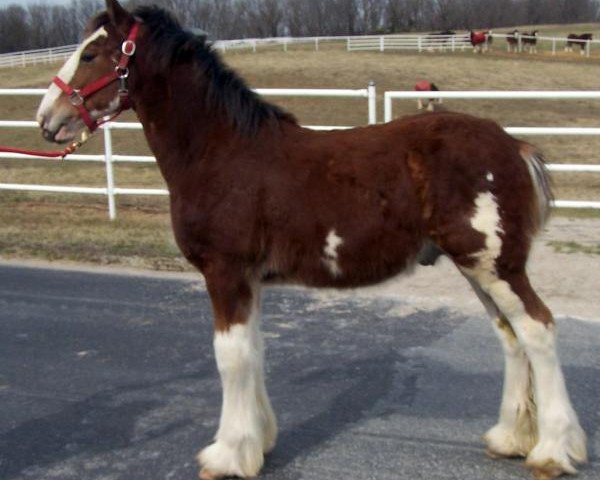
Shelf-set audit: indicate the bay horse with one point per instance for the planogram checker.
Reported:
(512, 41)
(529, 40)
(257, 200)
(479, 41)
(578, 40)
(428, 104)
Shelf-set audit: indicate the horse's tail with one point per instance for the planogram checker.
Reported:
(542, 184)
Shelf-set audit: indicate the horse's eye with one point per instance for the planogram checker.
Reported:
(87, 57)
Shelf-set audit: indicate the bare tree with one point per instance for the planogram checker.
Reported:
(14, 29)
(262, 18)
(45, 24)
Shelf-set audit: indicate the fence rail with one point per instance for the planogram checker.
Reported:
(369, 93)
(108, 157)
(419, 42)
(409, 42)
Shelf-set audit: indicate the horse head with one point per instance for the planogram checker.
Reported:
(91, 87)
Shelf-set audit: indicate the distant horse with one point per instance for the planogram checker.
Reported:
(582, 41)
(479, 41)
(257, 200)
(439, 39)
(512, 41)
(530, 41)
(429, 104)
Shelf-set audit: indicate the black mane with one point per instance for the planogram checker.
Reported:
(170, 44)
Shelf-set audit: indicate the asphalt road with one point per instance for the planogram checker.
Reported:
(111, 377)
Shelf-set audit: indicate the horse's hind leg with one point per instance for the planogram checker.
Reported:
(515, 434)
(561, 440)
(247, 427)
(497, 267)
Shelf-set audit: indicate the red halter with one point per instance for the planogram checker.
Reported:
(121, 72)
(78, 97)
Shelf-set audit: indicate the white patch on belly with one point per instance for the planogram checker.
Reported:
(330, 254)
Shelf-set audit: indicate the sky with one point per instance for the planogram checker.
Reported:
(6, 3)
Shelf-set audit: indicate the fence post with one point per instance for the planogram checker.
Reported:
(372, 96)
(553, 46)
(254, 46)
(381, 44)
(419, 44)
(110, 178)
(520, 43)
(588, 48)
(387, 107)
(316, 44)
(285, 44)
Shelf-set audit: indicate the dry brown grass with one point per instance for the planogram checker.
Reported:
(51, 226)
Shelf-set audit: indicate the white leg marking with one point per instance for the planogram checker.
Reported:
(561, 439)
(247, 426)
(330, 254)
(515, 434)
(490, 177)
(66, 74)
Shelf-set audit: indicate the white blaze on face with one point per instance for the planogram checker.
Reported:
(330, 254)
(66, 74)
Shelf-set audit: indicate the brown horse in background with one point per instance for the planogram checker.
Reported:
(512, 41)
(582, 41)
(258, 200)
(529, 40)
(479, 41)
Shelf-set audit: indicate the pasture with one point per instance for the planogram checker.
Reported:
(71, 227)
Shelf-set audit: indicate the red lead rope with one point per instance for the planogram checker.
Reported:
(52, 153)
(78, 97)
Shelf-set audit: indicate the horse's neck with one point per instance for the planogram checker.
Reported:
(180, 129)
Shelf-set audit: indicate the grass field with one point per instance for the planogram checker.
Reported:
(72, 227)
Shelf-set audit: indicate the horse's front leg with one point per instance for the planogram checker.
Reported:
(247, 427)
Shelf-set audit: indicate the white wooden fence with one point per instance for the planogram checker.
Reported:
(458, 41)
(518, 95)
(48, 55)
(419, 42)
(108, 157)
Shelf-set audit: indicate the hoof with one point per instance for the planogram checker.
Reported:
(503, 443)
(242, 459)
(206, 474)
(549, 470)
(500, 455)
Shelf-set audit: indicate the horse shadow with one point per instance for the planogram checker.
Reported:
(378, 393)
(103, 422)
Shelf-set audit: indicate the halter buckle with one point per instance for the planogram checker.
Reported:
(76, 99)
(122, 72)
(128, 48)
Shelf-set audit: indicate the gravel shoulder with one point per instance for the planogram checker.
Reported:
(568, 282)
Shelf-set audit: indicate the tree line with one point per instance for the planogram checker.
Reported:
(44, 25)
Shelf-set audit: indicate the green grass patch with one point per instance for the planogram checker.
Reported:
(574, 247)
(76, 228)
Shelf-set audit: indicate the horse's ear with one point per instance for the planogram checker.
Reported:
(119, 17)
